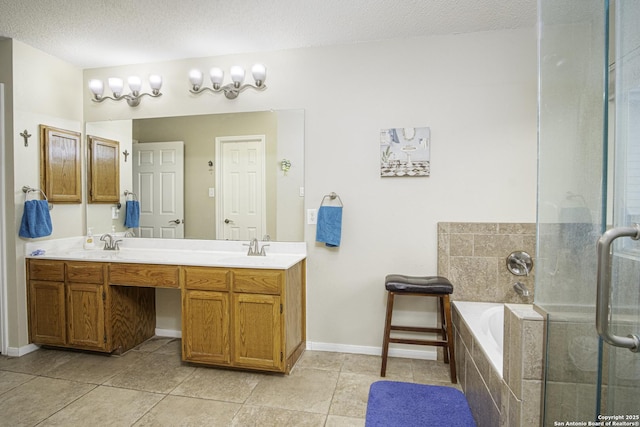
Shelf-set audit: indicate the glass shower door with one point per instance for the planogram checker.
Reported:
(619, 320)
(589, 181)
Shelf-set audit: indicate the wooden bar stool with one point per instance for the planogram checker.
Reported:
(423, 286)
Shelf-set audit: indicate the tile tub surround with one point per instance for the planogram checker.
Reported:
(472, 255)
(513, 399)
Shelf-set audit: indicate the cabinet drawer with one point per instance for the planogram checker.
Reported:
(214, 279)
(46, 270)
(85, 272)
(257, 281)
(148, 275)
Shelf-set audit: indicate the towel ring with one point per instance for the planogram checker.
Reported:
(26, 189)
(130, 193)
(331, 196)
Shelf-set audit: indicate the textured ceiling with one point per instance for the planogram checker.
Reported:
(99, 33)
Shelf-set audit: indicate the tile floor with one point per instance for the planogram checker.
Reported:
(151, 386)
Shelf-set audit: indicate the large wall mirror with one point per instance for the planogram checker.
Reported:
(209, 143)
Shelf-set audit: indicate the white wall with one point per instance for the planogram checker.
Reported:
(477, 92)
(46, 91)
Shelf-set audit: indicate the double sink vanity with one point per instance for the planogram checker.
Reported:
(238, 311)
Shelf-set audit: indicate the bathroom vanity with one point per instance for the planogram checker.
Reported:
(237, 311)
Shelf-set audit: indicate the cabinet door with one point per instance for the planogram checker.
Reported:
(47, 312)
(205, 326)
(85, 316)
(257, 331)
(103, 175)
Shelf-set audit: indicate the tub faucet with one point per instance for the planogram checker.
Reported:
(521, 289)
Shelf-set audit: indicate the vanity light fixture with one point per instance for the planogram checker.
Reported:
(230, 90)
(116, 85)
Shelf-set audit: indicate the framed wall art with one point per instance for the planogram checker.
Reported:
(405, 152)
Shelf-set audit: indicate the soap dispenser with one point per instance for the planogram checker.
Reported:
(89, 241)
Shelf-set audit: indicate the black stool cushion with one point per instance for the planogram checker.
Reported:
(418, 284)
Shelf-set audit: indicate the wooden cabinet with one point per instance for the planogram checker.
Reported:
(60, 165)
(103, 171)
(67, 303)
(237, 317)
(72, 305)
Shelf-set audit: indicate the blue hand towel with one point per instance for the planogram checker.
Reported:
(132, 214)
(329, 226)
(36, 220)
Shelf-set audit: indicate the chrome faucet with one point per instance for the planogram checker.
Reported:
(109, 243)
(521, 289)
(254, 248)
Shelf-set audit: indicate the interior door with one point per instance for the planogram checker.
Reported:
(241, 184)
(158, 182)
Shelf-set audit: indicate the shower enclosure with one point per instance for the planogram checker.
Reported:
(589, 182)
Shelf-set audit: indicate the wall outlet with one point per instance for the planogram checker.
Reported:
(115, 212)
(312, 216)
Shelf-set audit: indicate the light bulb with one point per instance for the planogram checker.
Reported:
(116, 85)
(97, 87)
(135, 84)
(155, 81)
(259, 73)
(217, 75)
(195, 78)
(237, 75)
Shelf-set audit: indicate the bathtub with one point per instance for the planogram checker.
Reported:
(485, 321)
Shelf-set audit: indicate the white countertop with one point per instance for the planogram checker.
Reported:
(207, 253)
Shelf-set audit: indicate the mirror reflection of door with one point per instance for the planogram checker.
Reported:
(158, 182)
(240, 211)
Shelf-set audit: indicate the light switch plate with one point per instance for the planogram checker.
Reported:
(212, 192)
(115, 213)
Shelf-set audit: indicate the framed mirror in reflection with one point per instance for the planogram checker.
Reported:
(219, 199)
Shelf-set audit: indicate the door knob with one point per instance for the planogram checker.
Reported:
(175, 221)
(228, 221)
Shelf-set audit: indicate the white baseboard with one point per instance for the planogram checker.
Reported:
(21, 351)
(315, 346)
(170, 333)
(374, 351)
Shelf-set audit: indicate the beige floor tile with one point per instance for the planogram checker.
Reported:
(362, 364)
(36, 400)
(37, 362)
(94, 368)
(11, 380)
(275, 417)
(351, 395)
(431, 372)
(172, 347)
(398, 369)
(338, 421)
(327, 360)
(304, 389)
(176, 411)
(157, 373)
(105, 406)
(219, 384)
(153, 344)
